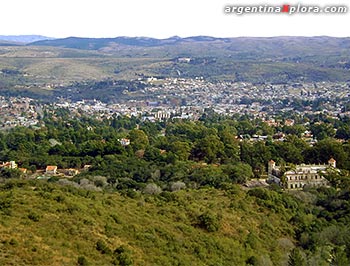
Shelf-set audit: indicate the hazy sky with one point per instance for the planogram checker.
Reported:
(162, 19)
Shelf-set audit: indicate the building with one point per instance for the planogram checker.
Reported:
(289, 122)
(124, 142)
(10, 165)
(71, 172)
(161, 115)
(23, 170)
(51, 170)
(301, 175)
(86, 167)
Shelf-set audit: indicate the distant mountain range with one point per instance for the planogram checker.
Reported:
(97, 43)
(248, 59)
(22, 39)
(242, 48)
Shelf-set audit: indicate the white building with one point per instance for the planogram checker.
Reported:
(301, 175)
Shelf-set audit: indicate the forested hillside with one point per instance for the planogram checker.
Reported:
(175, 195)
(43, 222)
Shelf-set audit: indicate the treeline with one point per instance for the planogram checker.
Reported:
(208, 152)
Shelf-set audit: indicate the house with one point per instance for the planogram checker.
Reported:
(86, 167)
(51, 170)
(71, 172)
(301, 175)
(124, 142)
(289, 122)
(9, 165)
(23, 170)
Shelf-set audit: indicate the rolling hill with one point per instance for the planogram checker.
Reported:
(62, 62)
(23, 39)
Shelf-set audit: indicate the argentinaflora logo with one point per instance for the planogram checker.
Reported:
(285, 9)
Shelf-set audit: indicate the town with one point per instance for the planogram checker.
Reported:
(309, 111)
(190, 98)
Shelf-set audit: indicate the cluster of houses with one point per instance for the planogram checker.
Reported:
(49, 170)
(12, 165)
(53, 170)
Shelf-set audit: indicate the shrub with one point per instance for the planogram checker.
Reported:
(82, 261)
(252, 261)
(152, 189)
(167, 196)
(13, 242)
(209, 222)
(100, 181)
(102, 247)
(122, 256)
(296, 258)
(116, 218)
(5, 205)
(178, 186)
(34, 217)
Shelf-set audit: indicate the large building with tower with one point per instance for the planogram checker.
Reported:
(301, 175)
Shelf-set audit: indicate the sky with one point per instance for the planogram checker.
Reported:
(164, 18)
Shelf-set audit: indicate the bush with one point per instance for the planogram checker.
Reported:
(209, 222)
(102, 247)
(34, 217)
(53, 179)
(82, 261)
(252, 261)
(122, 256)
(13, 242)
(167, 196)
(133, 194)
(116, 218)
(152, 189)
(178, 186)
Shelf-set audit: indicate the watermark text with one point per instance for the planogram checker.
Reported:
(285, 9)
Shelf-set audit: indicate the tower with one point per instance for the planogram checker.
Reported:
(271, 166)
(332, 163)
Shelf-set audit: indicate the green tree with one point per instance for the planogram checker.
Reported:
(343, 132)
(239, 172)
(138, 139)
(322, 130)
(210, 149)
(231, 145)
(208, 176)
(181, 149)
(296, 258)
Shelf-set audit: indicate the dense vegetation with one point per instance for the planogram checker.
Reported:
(211, 151)
(171, 197)
(44, 222)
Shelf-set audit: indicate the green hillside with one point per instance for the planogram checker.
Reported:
(44, 223)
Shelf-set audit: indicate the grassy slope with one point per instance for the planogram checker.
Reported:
(43, 224)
